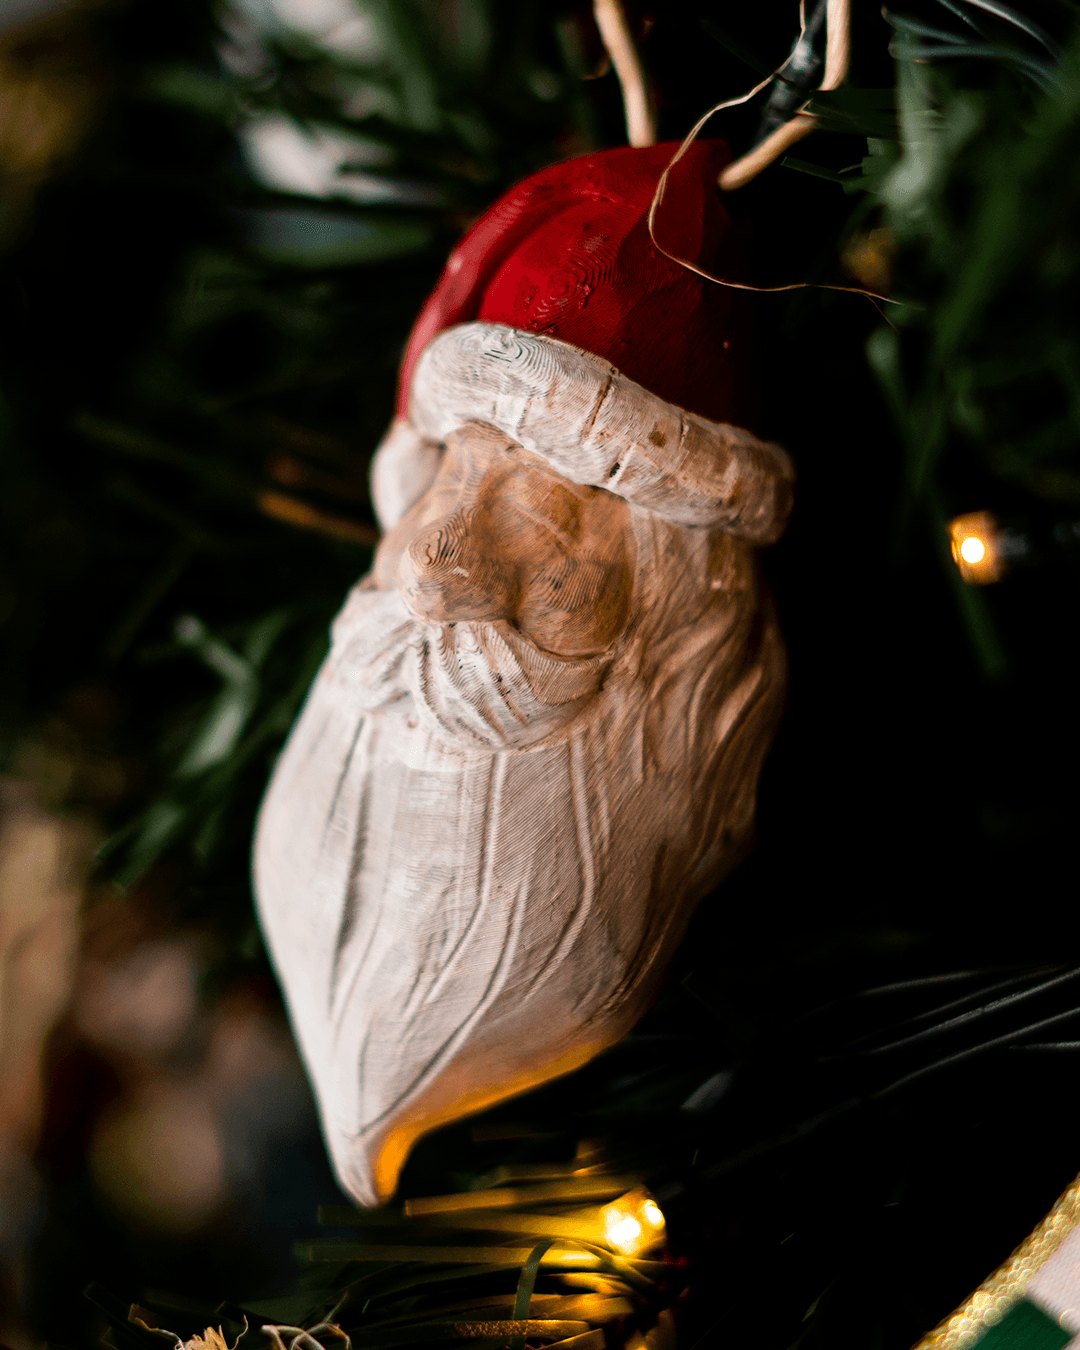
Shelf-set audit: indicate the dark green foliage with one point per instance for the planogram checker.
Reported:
(983, 359)
(201, 336)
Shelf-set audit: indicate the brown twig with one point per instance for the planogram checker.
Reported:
(293, 511)
(619, 42)
(837, 60)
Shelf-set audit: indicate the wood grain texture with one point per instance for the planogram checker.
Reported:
(533, 747)
(501, 536)
(595, 426)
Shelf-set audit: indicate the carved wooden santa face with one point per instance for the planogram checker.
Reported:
(534, 744)
(500, 535)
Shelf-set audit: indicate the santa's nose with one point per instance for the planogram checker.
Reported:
(451, 569)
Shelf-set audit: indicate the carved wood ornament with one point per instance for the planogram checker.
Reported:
(535, 743)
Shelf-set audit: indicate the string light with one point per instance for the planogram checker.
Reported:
(977, 548)
(972, 550)
(633, 1223)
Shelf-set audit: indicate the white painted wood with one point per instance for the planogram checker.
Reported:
(595, 426)
(402, 469)
(533, 746)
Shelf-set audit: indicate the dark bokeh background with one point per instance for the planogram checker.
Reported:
(195, 368)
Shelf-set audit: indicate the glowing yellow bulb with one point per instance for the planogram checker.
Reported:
(973, 550)
(623, 1233)
(632, 1223)
(977, 548)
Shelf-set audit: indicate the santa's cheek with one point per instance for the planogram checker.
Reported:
(575, 606)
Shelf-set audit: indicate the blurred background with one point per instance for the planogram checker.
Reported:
(218, 221)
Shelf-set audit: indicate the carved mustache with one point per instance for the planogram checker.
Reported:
(483, 682)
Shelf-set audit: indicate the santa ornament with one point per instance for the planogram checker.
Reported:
(535, 743)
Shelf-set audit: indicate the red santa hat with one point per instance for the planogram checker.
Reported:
(567, 253)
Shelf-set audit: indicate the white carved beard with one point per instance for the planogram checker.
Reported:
(399, 925)
(467, 890)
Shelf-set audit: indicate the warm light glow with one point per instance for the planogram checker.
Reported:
(632, 1223)
(976, 548)
(973, 550)
(653, 1214)
(622, 1233)
(567, 1256)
